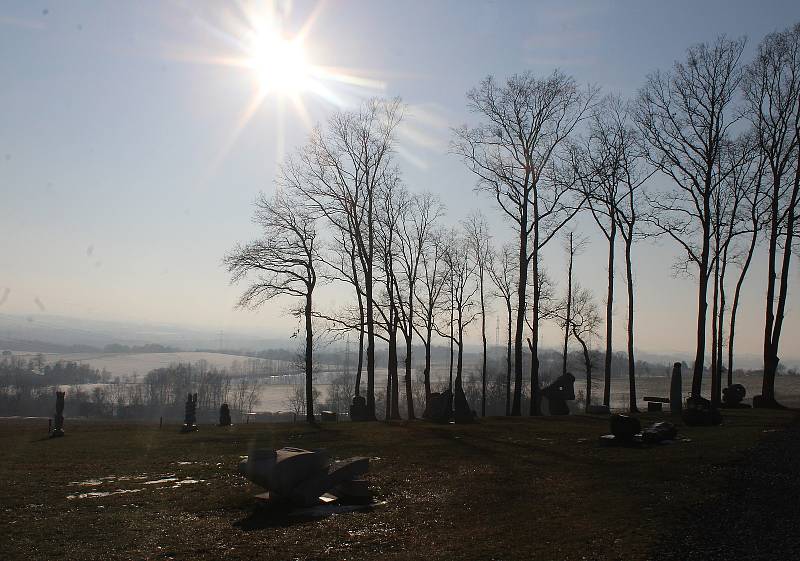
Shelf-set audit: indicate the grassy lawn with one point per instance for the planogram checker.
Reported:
(502, 489)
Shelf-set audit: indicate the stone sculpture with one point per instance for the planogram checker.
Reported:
(58, 422)
(676, 390)
(559, 392)
(298, 477)
(190, 416)
(700, 412)
(439, 407)
(358, 410)
(224, 415)
(732, 397)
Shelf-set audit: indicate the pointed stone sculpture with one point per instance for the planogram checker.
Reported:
(676, 390)
(58, 429)
(190, 417)
(224, 415)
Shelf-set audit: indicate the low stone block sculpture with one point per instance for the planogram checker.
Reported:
(299, 477)
(627, 431)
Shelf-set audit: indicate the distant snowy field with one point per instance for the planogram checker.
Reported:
(125, 365)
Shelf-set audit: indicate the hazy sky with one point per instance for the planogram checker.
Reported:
(127, 168)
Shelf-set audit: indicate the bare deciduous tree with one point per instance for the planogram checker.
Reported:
(340, 172)
(608, 171)
(772, 89)
(684, 117)
(478, 238)
(282, 262)
(415, 231)
(501, 271)
(512, 152)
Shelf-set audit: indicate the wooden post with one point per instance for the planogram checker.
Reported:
(49, 426)
(160, 422)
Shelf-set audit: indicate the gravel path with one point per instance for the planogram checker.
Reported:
(757, 517)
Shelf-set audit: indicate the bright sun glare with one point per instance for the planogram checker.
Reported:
(280, 64)
(274, 54)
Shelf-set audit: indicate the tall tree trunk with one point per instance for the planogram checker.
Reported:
(360, 342)
(409, 340)
(309, 362)
(715, 381)
(451, 332)
(516, 407)
(771, 365)
(428, 365)
(609, 314)
(568, 315)
(409, 396)
(702, 304)
(735, 305)
(370, 309)
(460, 364)
(508, 362)
(483, 337)
(632, 405)
(536, 401)
(393, 363)
(587, 361)
(535, 408)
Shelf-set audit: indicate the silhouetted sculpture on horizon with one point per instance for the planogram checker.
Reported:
(58, 429)
(190, 418)
(439, 407)
(358, 409)
(676, 390)
(700, 412)
(559, 392)
(732, 397)
(224, 415)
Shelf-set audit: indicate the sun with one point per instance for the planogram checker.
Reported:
(280, 64)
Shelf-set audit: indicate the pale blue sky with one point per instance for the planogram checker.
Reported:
(123, 182)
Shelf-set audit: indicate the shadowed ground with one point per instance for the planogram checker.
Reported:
(756, 516)
(501, 489)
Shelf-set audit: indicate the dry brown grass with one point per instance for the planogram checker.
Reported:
(502, 489)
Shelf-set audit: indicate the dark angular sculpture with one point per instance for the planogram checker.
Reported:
(700, 412)
(439, 408)
(624, 428)
(224, 415)
(559, 392)
(298, 477)
(462, 412)
(676, 390)
(659, 432)
(190, 416)
(58, 428)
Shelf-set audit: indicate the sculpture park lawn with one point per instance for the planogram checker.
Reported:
(508, 488)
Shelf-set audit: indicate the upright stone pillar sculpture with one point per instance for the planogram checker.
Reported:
(190, 418)
(676, 390)
(224, 415)
(58, 429)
